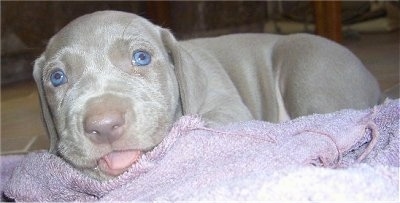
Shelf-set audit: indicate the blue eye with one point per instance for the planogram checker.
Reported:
(58, 77)
(141, 58)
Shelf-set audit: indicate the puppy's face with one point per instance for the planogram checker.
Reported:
(111, 91)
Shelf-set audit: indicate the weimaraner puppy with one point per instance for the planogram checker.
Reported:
(112, 84)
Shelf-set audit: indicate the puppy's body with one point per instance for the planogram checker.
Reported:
(282, 77)
(110, 110)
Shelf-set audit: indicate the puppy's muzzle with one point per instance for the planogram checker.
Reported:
(104, 125)
(105, 120)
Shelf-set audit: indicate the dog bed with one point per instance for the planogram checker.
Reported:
(345, 155)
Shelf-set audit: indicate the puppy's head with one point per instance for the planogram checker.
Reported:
(108, 91)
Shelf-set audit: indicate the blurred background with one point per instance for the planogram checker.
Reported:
(368, 28)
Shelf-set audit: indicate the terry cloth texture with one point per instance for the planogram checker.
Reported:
(345, 155)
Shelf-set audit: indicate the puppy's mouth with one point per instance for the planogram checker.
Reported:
(117, 162)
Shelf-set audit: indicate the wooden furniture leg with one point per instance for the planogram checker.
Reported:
(328, 20)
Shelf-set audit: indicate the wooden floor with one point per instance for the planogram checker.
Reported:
(21, 126)
(22, 130)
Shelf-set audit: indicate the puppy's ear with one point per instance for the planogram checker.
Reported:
(46, 115)
(191, 77)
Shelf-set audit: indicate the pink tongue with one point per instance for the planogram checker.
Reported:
(117, 162)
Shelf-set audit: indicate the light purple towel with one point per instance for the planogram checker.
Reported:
(346, 155)
(7, 165)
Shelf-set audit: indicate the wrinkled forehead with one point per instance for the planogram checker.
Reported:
(97, 29)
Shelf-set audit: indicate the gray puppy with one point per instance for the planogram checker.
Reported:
(112, 84)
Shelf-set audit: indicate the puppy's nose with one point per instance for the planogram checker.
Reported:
(104, 127)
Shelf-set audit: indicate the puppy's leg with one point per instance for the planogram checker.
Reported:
(319, 76)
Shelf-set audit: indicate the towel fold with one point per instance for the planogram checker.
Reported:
(345, 155)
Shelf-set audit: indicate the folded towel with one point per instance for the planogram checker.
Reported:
(346, 155)
(7, 166)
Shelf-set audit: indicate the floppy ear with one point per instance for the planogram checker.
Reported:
(46, 115)
(191, 78)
